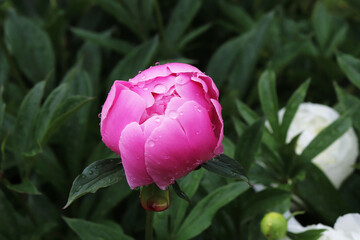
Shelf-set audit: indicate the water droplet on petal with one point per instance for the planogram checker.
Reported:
(146, 89)
(151, 143)
(181, 79)
(159, 88)
(157, 119)
(157, 63)
(139, 72)
(173, 114)
(143, 77)
(197, 133)
(181, 113)
(99, 115)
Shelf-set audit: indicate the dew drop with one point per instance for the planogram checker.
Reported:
(139, 72)
(197, 133)
(99, 115)
(173, 114)
(159, 88)
(157, 120)
(151, 143)
(181, 113)
(91, 172)
(143, 77)
(146, 89)
(181, 80)
(157, 64)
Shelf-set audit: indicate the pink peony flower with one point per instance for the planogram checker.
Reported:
(164, 123)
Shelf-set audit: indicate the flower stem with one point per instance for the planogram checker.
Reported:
(149, 225)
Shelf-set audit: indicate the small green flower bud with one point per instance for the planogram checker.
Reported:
(153, 198)
(273, 226)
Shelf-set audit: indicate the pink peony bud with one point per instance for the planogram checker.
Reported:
(164, 123)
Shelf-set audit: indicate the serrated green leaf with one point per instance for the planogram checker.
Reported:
(24, 126)
(202, 214)
(291, 108)
(139, 58)
(26, 186)
(226, 167)
(63, 112)
(104, 41)
(180, 18)
(35, 56)
(320, 196)
(268, 99)
(245, 112)
(87, 230)
(325, 138)
(313, 234)
(248, 144)
(351, 67)
(99, 174)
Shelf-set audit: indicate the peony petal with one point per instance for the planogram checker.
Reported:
(116, 88)
(151, 73)
(126, 107)
(219, 127)
(168, 154)
(149, 125)
(183, 68)
(213, 91)
(198, 130)
(132, 148)
(193, 91)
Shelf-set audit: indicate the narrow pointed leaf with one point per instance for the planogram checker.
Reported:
(291, 108)
(87, 230)
(180, 193)
(313, 234)
(25, 187)
(104, 41)
(268, 99)
(351, 67)
(99, 174)
(226, 167)
(245, 112)
(248, 144)
(325, 138)
(202, 214)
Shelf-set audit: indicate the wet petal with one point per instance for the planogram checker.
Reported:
(168, 154)
(219, 127)
(126, 107)
(132, 148)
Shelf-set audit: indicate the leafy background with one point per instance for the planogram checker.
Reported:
(58, 60)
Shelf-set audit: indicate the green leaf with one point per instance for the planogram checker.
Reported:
(30, 46)
(328, 205)
(226, 167)
(117, 10)
(188, 184)
(99, 174)
(268, 99)
(4, 66)
(245, 112)
(337, 39)
(180, 193)
(291, 108)
(26, 186)
(87, 230)
(48, 108)
(138, 59)
(25, 121)
(9, 222)
(351, 67)
(62, 113)
(268, 200)
(321, 22)
(104, 41)
(250, 48)
(325, 138)
(202, 214)
(193, 34)
(248, 144)
(236, 14)
(313, 234)
(2, 109)
(184, 12)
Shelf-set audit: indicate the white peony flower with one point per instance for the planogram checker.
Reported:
(346, 227)
(338, 159)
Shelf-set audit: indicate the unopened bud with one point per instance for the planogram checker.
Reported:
(273, 226)
(154, 199)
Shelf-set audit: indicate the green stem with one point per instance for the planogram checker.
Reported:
(149, 225)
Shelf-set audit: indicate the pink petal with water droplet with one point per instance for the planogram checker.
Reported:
(219, 127)
(121, 108)
(168, 154)
(151, 73)
(132, 148)
(199, 131)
